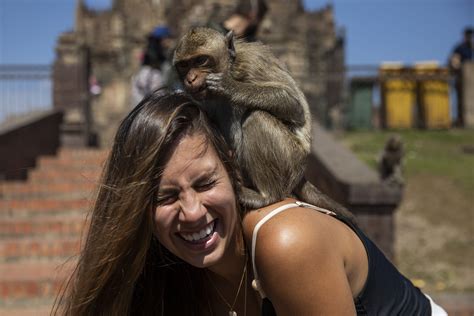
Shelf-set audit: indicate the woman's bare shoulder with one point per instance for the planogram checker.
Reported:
(251, 218)
(296, 221)
(294, 250)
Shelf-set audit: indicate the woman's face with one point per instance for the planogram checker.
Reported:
(196, 213)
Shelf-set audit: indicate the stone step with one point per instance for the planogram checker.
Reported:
(20, 282)
(22, 187)
(67, 162)
(29, 309)
(82, 153)
(60, 176)
(39, 207)
(44, 226)
(62, 190)
(38, 248)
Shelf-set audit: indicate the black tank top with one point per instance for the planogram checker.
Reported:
(386, 291)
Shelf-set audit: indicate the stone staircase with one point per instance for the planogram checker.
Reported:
(41, 224)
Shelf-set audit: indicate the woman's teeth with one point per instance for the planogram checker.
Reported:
(204, 233)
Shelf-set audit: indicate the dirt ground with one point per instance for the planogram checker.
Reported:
(435, 234)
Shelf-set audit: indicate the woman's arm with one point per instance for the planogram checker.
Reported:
(301, 262)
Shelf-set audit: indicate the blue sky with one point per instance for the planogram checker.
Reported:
(376, 30)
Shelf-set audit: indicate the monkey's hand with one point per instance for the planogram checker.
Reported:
(215, 83)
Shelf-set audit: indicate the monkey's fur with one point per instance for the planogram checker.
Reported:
(259, 109)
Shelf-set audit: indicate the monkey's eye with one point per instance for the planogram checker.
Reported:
(201, 60)
(182, 67)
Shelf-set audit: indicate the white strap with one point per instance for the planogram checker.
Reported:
(256, 282)
(436, 310)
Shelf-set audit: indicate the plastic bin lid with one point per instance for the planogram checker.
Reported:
(391, 65)
(428, 64)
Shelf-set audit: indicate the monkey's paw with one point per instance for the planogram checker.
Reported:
(215, 82)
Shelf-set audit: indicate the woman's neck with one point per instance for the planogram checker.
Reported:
(230, 268)
(231, 282)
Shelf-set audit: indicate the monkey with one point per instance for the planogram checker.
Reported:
(260, 110)
(390, 161)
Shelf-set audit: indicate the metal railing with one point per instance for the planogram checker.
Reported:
(24, 89)
(28, 88)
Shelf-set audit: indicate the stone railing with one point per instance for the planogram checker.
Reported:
(337, 172)
(22, 141)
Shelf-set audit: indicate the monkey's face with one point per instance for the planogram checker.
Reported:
(193, 73)
(200, 52)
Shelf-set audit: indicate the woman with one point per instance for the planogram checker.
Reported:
(167, 236)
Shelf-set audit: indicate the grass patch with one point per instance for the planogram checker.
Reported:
(440, 153)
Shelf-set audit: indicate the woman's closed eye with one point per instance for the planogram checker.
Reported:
(166, 198)
(205, 185)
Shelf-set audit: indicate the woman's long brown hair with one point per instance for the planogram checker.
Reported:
(122, 268)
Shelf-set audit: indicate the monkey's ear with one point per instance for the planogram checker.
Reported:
(229, 39)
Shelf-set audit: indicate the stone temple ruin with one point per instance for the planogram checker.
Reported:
(107, 45)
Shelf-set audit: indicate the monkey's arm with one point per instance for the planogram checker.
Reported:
(274, 98)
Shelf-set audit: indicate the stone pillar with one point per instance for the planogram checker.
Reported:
(69, 77)
(71, 90)
(468, 93)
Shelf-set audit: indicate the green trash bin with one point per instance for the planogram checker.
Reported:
(359, 115)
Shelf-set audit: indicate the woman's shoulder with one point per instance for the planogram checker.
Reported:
(296, 250)
(295, 228)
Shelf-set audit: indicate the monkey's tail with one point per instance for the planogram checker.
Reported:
(308, 193)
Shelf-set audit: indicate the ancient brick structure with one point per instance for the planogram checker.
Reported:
(107, 44)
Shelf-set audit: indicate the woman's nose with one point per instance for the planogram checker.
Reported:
(192, 208)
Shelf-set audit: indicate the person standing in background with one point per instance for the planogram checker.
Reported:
(244, 20)
(155, 67)
(463, 52)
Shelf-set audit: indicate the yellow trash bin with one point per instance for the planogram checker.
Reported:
(398, 96)
(433, 95)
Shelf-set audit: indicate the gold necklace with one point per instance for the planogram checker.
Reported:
(232, 312)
